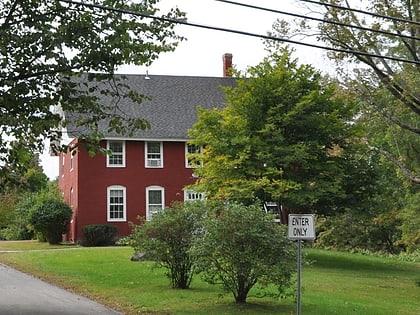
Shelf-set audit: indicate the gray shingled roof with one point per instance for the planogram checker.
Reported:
(172, 109)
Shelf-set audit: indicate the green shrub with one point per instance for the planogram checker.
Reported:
(18, 228)
(15, 232)
(99, 235)
(50, 217)
(410, 223)
(410, 256)
(352, 231)
(8, 200)
(243, 248)
(167, 240)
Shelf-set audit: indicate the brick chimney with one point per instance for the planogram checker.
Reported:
(227, 65)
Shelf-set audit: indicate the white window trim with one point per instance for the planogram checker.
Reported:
(188, 165)
(149, 188)
(71, 161)
(63, 163)
(123, 154)
(71, 197)
(189, 192)
(146, 160)
(108, 212)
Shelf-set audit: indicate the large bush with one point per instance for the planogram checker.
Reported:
(410, 217)
(50, 218)
(99, 235)
(8, 201)
(241, 248)
(352, 231)
(18, 228)
(168, 238)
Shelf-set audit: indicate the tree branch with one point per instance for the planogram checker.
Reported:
(410, 175)
(9, 16)
(395, 120)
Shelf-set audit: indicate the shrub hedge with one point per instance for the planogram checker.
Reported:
(99, 235)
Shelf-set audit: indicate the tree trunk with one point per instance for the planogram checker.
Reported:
(243, 290)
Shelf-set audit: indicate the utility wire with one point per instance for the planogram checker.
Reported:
(216, 28)
(318, 19)
(362, 11)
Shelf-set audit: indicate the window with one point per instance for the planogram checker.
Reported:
(154, 156)
(63, 163)
(72, 153)
(191, 158)
(274, 209)
(71, 197)
(116, 203)
(117, 157)
(191, 195)
(155, 200)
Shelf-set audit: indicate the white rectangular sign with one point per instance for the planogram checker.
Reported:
(301, 227)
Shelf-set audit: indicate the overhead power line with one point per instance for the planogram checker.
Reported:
(318, 19)
(388, 17)
(216, 28)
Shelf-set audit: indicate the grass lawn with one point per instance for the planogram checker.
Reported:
(30, 245)
(334, 283)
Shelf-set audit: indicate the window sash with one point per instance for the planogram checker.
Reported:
(191, 195)
(117, 157)
(192, 162)
(116, 203)
(155, 202)
(154, 154)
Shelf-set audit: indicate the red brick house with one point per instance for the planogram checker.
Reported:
(148, 171)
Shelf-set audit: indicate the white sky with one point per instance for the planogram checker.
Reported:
(201, 54)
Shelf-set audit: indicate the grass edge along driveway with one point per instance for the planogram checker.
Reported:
(333, 283)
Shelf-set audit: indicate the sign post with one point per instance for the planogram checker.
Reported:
(300, 227)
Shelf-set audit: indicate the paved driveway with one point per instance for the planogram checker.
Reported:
(21, 294)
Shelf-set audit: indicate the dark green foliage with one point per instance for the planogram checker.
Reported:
(7, 203)
(18, 227)
(283, 136)
(22, 171)
(388, 89)
(18, 194)
(168, 238)
(50, 218)
(241, 248)
(358, 232)
(99, 235)
(44, 42)
(410, 227)
(291, 136)
(21, 176)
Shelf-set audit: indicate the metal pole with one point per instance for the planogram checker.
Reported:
(299, 267)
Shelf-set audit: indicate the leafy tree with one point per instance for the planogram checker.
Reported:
(167, 240)
(45, 43)
(410, 222)
(46, 213)
(285, 135)
(380, 209)
(360, 231)
(243, 248)
(387, 90)
(386, 87)
(8, 202)
(22, 171)
(15, 188)
(51, 218)
(17, 227)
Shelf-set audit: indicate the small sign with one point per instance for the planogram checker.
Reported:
(301, 227)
